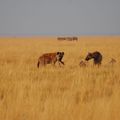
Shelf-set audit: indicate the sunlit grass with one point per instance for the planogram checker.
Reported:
(69, 92)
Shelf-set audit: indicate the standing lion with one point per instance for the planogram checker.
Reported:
(50, 58)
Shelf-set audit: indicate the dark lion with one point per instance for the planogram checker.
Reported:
(96, 56)
(50, 58)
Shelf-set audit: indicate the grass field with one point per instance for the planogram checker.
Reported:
(70, 92)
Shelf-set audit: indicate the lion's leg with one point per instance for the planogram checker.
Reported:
(62, 62)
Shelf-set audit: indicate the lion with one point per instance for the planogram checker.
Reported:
(96, 56)
(50, 58)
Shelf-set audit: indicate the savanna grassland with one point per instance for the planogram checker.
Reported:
(69, 92)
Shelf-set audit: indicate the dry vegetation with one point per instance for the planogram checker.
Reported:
(59, 93)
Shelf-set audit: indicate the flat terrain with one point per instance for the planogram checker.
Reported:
(70, 92)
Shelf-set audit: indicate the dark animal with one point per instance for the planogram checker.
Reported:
(50, 58)
(75, 38)
(96, 56)
(68, 38)
(61, 38)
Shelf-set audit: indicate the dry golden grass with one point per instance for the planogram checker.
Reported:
(53, 93)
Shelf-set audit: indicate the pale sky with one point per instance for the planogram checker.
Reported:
(59, 17)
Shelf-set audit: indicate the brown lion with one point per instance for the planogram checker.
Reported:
(50, 58)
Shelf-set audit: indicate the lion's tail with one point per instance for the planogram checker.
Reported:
(38, 63)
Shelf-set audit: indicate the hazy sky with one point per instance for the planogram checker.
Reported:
(59, 17)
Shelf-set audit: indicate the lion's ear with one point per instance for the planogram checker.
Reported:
(58, 53)
(89, 52)
(63, 53)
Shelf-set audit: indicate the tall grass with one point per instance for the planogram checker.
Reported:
(70, 92)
